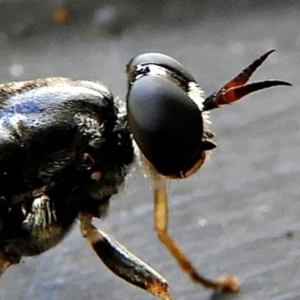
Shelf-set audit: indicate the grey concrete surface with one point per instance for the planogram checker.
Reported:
(240, 213)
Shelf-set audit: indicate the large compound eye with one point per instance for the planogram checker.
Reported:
(165, 123)
(157, 59)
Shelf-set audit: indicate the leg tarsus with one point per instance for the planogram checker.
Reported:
(225, 283)
(228, 283)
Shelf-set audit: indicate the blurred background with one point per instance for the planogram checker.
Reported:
(240, 213)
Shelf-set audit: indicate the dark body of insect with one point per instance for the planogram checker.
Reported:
(66, 147)
(63, 149)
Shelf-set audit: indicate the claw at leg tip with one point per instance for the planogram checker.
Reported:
(160, 289)
(228, 283)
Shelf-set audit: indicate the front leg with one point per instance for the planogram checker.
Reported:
(123, 263)
(224, 283)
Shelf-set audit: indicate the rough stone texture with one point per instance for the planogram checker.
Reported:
(240, 214)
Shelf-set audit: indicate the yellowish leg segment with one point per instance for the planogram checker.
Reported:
(224, 283)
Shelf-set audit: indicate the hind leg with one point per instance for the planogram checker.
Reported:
(6, 260)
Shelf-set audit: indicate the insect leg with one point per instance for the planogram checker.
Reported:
(123, 263)
(224, 283)
(6, 260)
